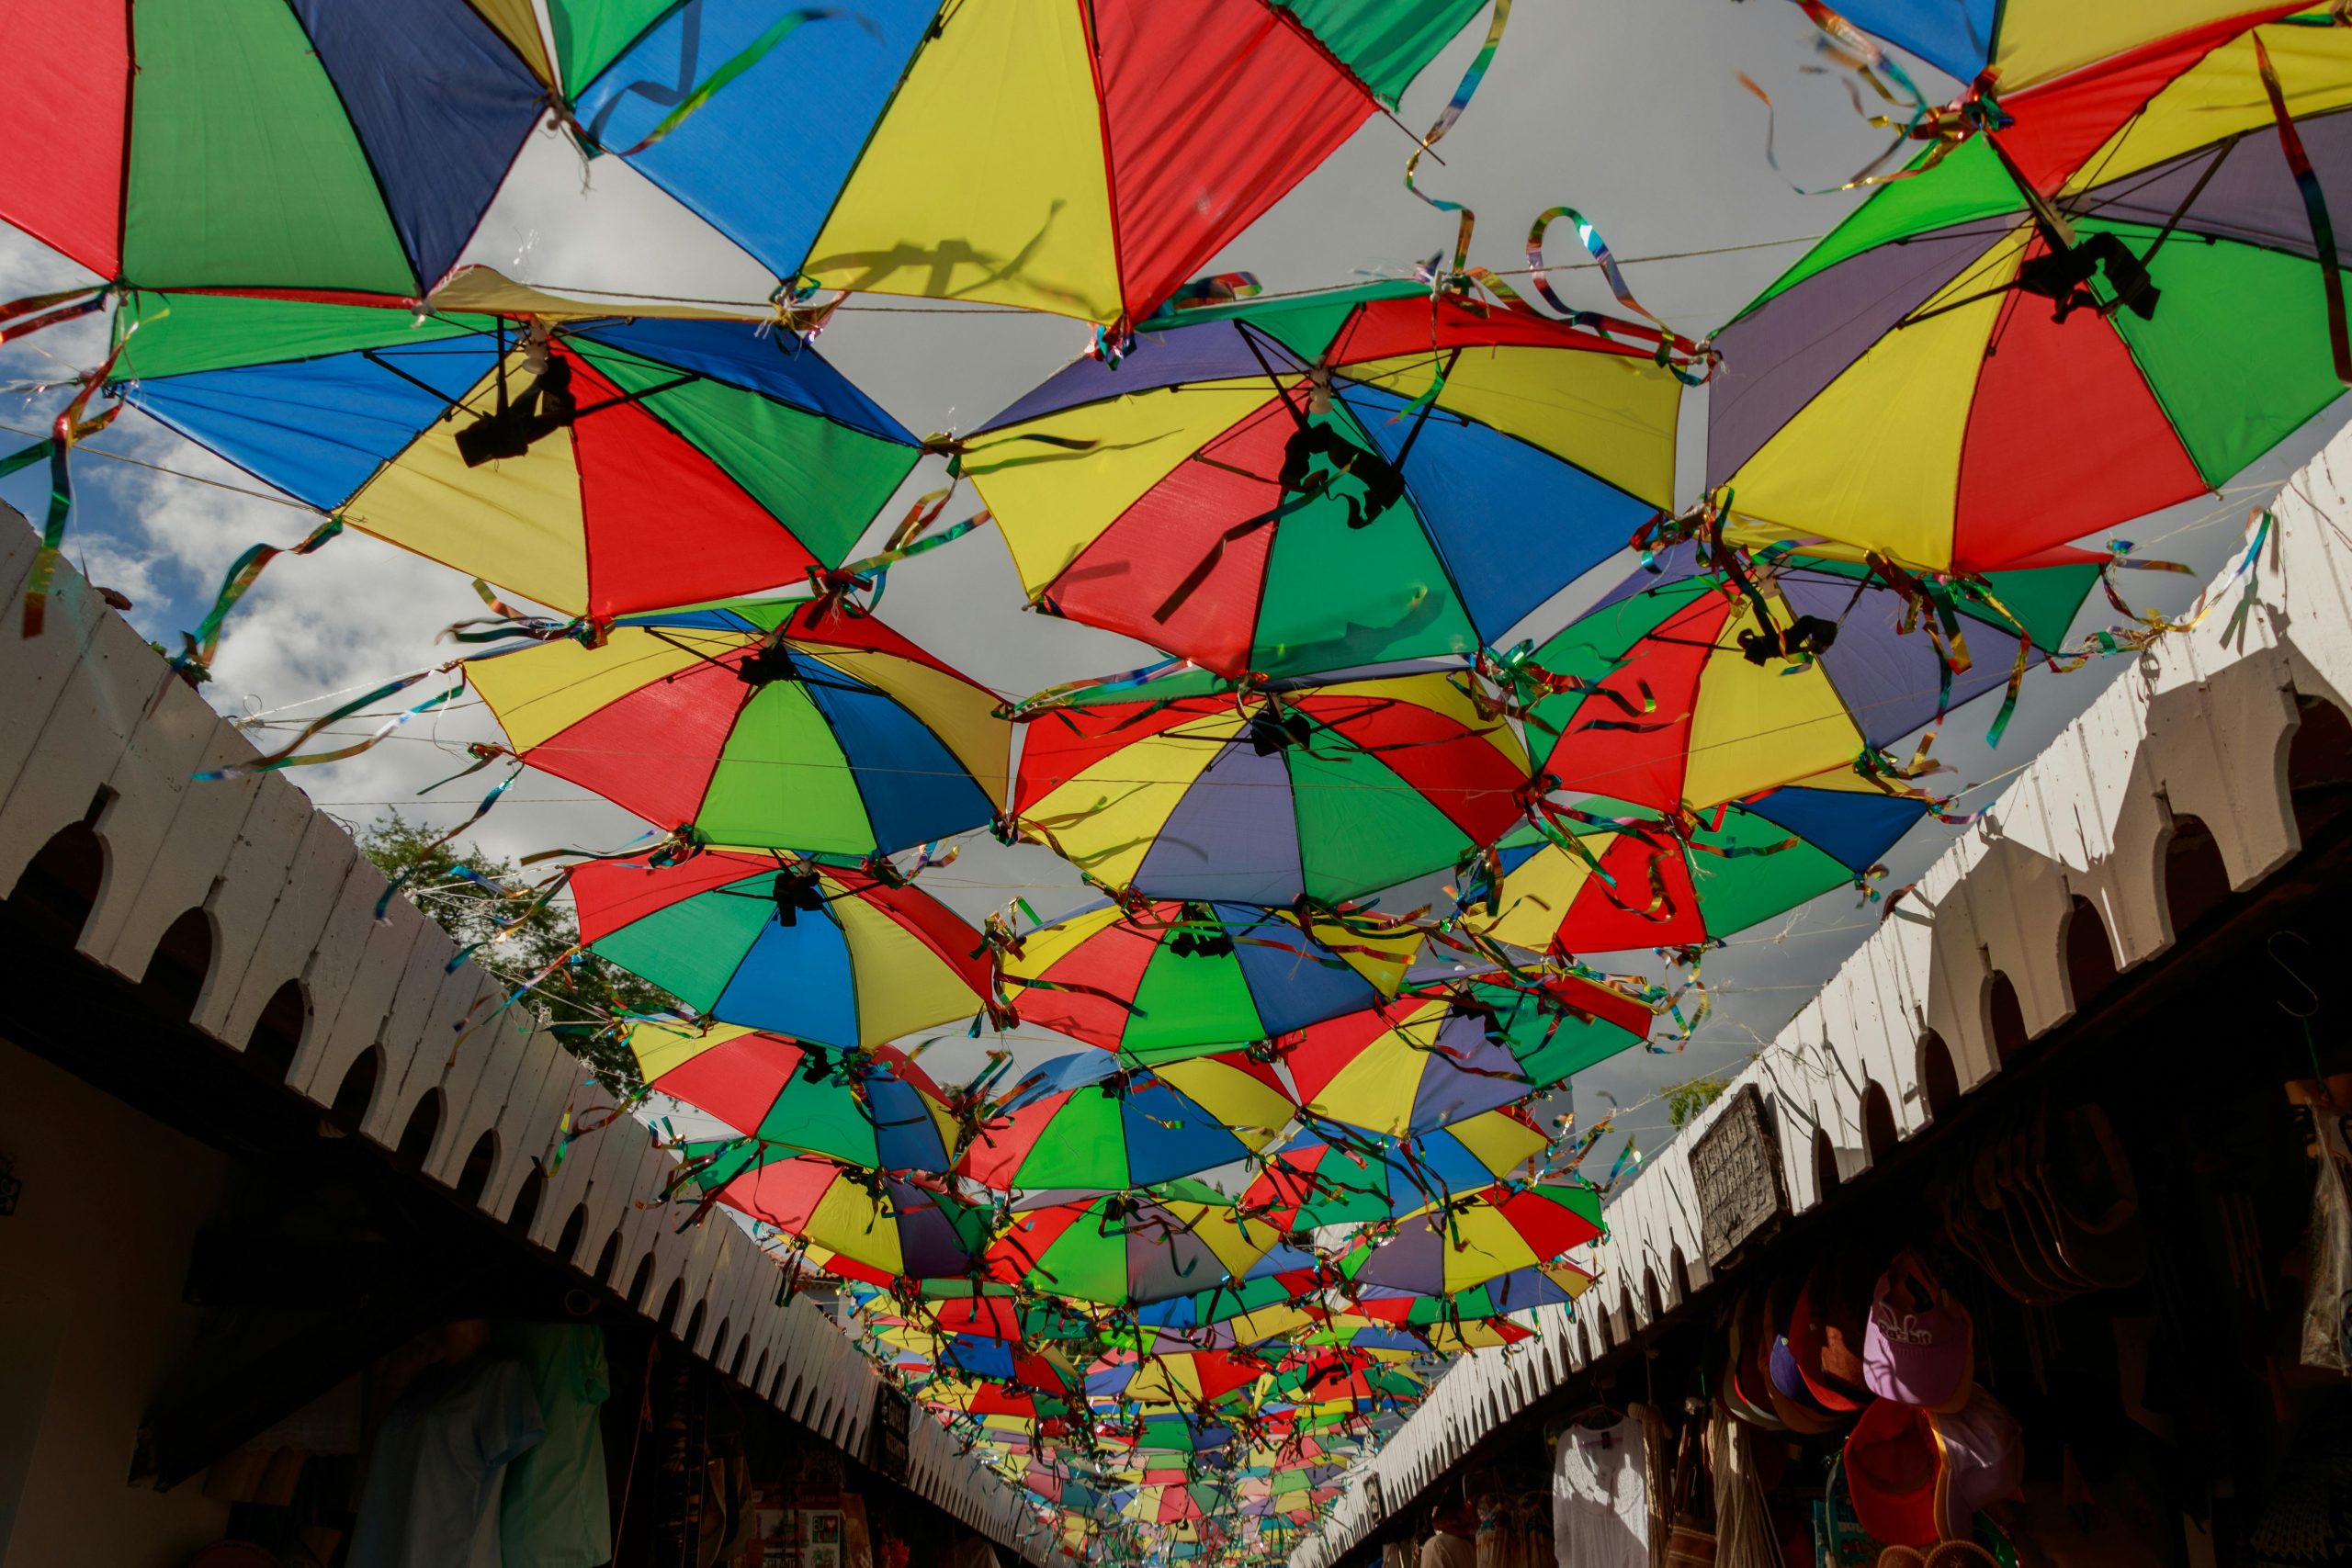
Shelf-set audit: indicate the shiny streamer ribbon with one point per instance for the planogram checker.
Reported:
(22, 318)
(2148, 626)
(68, 428)
(1671, 346)
(416, 864)
(193, 663)
(870, 574)
(1038, 703)
(286, 756)
(1446, 119)
(758, 49)
(2331, 272)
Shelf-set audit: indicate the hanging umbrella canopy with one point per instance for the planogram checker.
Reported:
(872, 1107)
(1259, 1306)
(1638, 879)
(1163, 978)
(1312, 1181)
(252, 143)
(824, 953)
(1522, 1290)
(1322, 1376)
(1084, 1121)
(884, 1221)
(1127, 1248)
(1188, 1380)
(2017, 43)
(2111, 305)
(1003, 1317)
(1698, 691)
(1085, 160)
(1391, 1342)
(1261, 487)
(981, 1359)
(1441, 1055)
(761, 723)
(1259, 795)
(1484, 1236)
(616, 466)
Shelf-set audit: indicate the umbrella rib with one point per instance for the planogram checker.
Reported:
(377, 360)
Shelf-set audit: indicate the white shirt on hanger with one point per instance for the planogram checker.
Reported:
(1600, 1497)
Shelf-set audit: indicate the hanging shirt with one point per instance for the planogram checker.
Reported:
(1600, 1498)
(431, 1499)
(555, 1511)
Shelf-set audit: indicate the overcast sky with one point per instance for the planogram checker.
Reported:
(1627, 111)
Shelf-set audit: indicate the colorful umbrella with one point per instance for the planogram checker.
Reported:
(1083, 159)
(1441, 1055)
(1001, 1317)
(872, 1107)
(1280, 1295)
(2017, 43)
(1310, 1182)
(1484, 1236)
(2108, 306)
(1386, 1341)
(1265, 487)
(1638, 879)
(1186, 1380)
(986, 1360)
(1261, 795)
(1130, 1247)
(1085, 1123)
(760, 723)
(1162, 979)
(885, 1222)
(1320, 1377)
(614, 466)
(821, 953)
(253, 143)
(1693, 688)
(1523, 1290)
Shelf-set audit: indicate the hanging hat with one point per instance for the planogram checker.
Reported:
(1791, 1401)
(1919, 1346)
(1981, 1461)
(1892, 1467)
(1825, 1330)
(1746, 1385)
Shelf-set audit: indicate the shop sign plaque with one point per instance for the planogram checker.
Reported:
(1735, 1167)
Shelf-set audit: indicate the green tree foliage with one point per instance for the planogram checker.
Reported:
(1685, 1100)
(576, 998)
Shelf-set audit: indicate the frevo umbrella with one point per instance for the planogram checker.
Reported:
(825, 954)
(1480, 1236)
(1084, 1121)
(1165, 978)
(885, 1222)
(1262, 794)
(1083, 159)
(760, 723)
(1696, 685)
(1127, 1248)
(597, 467)
(872, 1107)
(1606, 876)
(1331, 480)
(2111, 302)
(1443, 1053)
